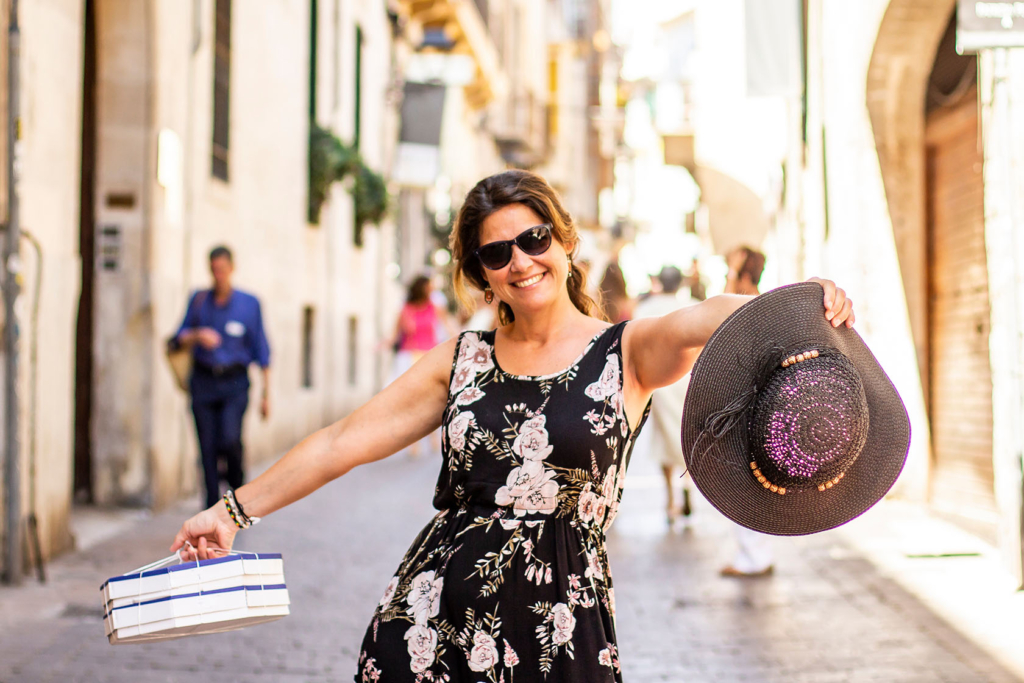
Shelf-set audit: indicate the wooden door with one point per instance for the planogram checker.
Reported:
(960, 380)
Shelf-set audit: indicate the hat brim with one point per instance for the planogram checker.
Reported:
(792, 317)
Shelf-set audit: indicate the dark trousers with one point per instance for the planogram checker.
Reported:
(219, 401)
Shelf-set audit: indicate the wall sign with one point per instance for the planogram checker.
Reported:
(986, 25)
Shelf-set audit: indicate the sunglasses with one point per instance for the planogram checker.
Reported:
(496, 255)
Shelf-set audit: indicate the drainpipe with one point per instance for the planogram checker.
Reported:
(11, 273)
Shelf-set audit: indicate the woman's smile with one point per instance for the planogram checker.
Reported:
(528, 282)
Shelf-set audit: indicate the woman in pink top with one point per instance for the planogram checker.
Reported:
(417, 331)
(419, 321)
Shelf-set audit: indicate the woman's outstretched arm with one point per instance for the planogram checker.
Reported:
(659, 351)
(405, 411)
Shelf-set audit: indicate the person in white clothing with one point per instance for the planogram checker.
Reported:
(754, 556)
(667, 402)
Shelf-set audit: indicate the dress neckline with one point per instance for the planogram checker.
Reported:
(551, 375)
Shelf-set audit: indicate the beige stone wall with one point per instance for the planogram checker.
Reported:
(860, 252)
(1001, 91)
(261, 213)
(50, 107)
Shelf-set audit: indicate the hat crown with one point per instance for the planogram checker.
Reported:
(810, 422)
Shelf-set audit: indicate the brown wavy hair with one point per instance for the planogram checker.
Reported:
(496, 192)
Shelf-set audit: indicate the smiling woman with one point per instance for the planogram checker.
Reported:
(510, 580)
(510, 201)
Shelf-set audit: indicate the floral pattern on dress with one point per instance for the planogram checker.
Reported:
(532, 466)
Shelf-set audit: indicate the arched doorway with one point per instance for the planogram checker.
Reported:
(923, 111)
(959, 373)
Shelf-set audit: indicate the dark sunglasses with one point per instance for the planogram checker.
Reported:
(535, 241)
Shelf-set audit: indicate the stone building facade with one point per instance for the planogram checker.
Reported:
(153, 131)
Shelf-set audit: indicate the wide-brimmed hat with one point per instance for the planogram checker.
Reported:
(791, 426)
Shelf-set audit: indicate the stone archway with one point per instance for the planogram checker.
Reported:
(897, 80)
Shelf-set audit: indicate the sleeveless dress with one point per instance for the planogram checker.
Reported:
(510, 580)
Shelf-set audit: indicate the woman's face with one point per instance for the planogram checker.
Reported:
(527, 283)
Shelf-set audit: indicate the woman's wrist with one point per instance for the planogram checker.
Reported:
(246, 502)
(223, 514)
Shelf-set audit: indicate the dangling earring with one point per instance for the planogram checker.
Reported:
(570, 267)
(488, 295)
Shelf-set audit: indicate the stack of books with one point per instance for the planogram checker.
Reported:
(194, 598)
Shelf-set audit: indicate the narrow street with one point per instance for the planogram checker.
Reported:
(826, 615)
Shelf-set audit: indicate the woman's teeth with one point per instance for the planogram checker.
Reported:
(526, 283)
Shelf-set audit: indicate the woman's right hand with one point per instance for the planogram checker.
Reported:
(207, 531)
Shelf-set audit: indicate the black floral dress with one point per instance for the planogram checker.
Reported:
(510, 581)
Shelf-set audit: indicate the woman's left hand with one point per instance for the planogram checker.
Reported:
(838, 308)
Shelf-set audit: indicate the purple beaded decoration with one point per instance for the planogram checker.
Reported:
(809, 423)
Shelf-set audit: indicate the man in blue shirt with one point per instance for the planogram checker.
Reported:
(224, 328)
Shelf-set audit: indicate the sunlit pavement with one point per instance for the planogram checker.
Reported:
(828, 614)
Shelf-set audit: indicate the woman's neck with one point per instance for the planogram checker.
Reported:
(538, 327)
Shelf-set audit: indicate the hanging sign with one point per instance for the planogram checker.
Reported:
(986, 25)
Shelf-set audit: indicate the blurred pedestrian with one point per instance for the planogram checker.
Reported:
(667, 403)
(417, 330)
(614, 297)
(418, 324)
(754, 556)
(224, 328)
(697, 290)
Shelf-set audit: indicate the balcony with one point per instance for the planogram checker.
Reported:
(457, 27)
(519, 126)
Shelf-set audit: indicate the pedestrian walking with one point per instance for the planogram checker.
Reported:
(419, 326)
(754, 557)
(510, 580)
(224, 328)
(618, 306)
(667, 403)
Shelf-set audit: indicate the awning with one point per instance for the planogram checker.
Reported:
(736, 215)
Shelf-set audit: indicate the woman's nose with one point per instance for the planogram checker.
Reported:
(520, 259)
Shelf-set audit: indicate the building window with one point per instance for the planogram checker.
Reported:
(357, 127)
(308, 321)
(221, 87)
(353, 351)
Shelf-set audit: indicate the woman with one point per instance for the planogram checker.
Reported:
(510, 580)
(419, 327)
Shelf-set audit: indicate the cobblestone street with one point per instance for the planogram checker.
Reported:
(826, 615)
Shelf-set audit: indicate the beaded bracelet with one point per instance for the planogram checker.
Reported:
(241, 520)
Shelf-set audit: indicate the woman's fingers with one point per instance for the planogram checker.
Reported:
(179, 540)
(829, 288)
(844, 315)
(838, 301)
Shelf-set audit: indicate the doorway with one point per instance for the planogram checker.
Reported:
(83, 479)
(959, 372)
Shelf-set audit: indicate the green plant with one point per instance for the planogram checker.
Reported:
(331, 160)
(370, 192)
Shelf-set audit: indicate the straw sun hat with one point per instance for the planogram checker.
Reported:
(791, 426)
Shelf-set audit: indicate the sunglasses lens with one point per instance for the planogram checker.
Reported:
(495, 256)
(535, 241)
